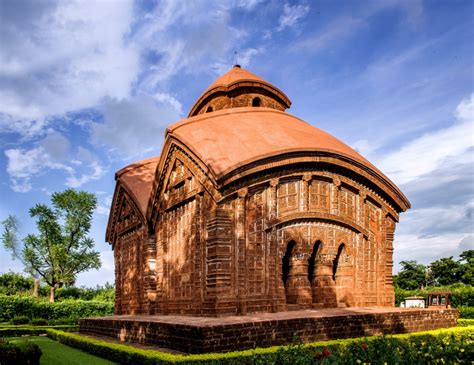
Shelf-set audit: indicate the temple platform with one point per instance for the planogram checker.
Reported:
(208, 334)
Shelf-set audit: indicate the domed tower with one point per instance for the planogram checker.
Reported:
(252, 209)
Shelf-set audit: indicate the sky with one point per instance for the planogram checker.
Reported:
(88, 87)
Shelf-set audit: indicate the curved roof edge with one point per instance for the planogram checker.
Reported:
(137, 180)
(231, 122)
(289, 157)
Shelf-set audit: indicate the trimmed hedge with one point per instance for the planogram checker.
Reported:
(452, 345)
(17, 331)
(466, 312)
(465, 322)
(68, 310)
(24, 354)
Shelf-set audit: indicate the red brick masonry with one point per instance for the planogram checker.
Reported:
(203, 334)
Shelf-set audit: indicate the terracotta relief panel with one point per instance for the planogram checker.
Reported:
(288, 197)
(256, 244)
(180, 251)
(347, 203)
(319, 195)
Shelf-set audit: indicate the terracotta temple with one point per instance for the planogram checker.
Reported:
(251, 209)
(252, 228)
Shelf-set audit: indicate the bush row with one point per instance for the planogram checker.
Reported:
(15, 306)
(462, 295)
(14, 283)
(17, 331)
(466, 312)
(462, 322)
(453, 345)
(25, 354)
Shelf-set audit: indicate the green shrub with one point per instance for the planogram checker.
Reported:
(104, 293)
(20, 320)
(23, 330)
(451, 346)
(462, 295)
(14, 305)
(462, 322)
(12, 283)
(25, 354)
(466, 312)
(39, 322)
(65, 321)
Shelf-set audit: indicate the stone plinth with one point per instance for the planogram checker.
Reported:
(201, 334)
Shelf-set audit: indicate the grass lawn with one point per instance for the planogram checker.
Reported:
(55, 353)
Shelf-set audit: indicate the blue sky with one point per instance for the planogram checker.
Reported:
(87, 87)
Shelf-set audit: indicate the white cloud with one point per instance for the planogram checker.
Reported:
(164, 98)
(187, 37)
(291, 15)
(427, 249)
(62, 56)
(336, 31)
(105, 274)
(435, 170)
(104, 205)
(422, 155)
(51, 153)
(243, 58)
(133, 127)
(248, 4)
(347, 25)
(24, 164)
(97, 172)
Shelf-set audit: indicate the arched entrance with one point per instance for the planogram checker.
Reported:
(286, 267)
(312, 270)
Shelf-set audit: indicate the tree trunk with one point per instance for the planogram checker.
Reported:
(36, 287)
(51, 293)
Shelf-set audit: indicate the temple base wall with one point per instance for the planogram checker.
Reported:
(202, 335)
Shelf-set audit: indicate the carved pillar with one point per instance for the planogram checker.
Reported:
(298, 287)
(162, 269)
(149, 276)
(305, 192)
(118, 278)
(240, 208)
(198, 254)
(324, 288)
(390, 233)
(219, 297)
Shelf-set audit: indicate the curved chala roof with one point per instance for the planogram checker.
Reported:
(234, 138)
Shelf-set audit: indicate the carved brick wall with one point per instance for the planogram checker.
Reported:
(243, 97)
(296, 239)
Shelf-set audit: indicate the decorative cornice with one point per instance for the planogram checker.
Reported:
(317, 216)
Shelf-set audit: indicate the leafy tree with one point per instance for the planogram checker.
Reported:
(12, 244)
(445, 271)
(411, 276)
(467, 267)
(61, 249)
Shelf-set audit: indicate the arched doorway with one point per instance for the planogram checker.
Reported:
(286, 269)
(312, 270)
(342, 276)
(312, 261)
(335, 265)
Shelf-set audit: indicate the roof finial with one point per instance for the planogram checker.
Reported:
(235, 60)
